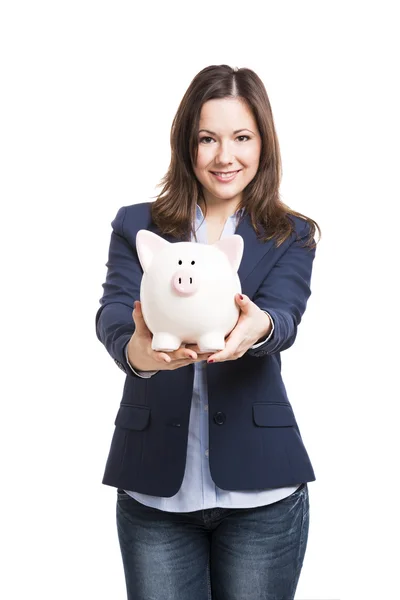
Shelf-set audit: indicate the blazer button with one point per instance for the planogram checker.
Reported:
(219, 418)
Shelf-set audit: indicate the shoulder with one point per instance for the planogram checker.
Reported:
(301, 230)
(133, 217)
(138, 215)
(301, 226)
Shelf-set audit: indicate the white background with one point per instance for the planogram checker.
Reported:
(89, 91)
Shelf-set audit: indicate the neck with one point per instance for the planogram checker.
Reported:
(219, 211)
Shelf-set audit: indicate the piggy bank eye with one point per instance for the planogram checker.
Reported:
(179, 262)
(192, 263)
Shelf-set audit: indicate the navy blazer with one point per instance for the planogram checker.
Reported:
(254, 439)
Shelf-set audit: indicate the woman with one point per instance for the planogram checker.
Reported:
(208, 461)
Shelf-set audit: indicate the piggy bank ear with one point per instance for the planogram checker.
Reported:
(147, 245)
(232, 246)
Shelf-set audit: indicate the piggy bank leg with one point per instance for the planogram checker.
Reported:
(211, 342)
(165, 342)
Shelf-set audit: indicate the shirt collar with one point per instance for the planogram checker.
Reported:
(200, 216)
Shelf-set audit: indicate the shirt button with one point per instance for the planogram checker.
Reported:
(206, 407)
(206, 452)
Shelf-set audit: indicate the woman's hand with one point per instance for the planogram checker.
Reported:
(143, 358)
(253, 325)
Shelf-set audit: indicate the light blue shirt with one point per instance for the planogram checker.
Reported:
(198, 490)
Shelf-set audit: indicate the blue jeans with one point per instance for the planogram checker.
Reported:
(217, 553)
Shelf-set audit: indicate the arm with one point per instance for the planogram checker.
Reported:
(114, 322)
(284, 294)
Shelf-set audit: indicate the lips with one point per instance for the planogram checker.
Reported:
(225, 176)
(225, 172)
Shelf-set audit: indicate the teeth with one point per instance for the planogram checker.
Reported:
(226, 174)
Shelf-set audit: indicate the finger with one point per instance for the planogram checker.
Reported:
(175, 364)
(193, 347)
(227, 353)
(186, 353)
(243, 302)
(181, 354)
(162, 356)
(137, 315)
(140, 323)
(196, 349)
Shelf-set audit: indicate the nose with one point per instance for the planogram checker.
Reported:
(224, 154)
(184, 282)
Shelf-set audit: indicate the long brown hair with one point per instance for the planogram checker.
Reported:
(174, 209)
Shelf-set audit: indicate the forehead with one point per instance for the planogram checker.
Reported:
(226, 114)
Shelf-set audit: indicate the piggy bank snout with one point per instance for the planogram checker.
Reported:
(185, 282)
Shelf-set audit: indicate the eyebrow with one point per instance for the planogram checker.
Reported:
(213, 132)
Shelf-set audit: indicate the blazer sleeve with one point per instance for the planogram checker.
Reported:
(114, 321)
(284, 294)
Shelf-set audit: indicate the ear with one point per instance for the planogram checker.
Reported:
(147, 245)
(232, 246)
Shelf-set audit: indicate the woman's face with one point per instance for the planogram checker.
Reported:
(228, 140)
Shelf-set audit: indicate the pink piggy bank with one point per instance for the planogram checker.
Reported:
(188, 290)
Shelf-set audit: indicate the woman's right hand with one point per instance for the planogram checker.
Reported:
(143, 358)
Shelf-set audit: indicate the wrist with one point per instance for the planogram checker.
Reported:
(140, 373)
(135, 357)
(266, 329)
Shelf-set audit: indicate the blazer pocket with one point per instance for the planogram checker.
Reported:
(267, 414)
(132, 416)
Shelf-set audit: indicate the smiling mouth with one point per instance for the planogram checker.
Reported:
(225, 176)
(225, 172)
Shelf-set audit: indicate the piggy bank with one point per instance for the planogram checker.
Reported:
(188, 290)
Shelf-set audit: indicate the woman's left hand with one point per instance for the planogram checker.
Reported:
(253, 324)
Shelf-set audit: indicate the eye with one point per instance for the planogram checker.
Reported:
(192, 263)
(207, 137)
(179, 262)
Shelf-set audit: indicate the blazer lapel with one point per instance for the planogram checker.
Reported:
(254, 249)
